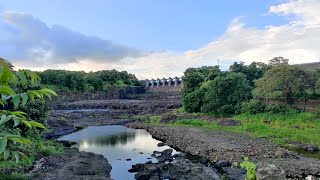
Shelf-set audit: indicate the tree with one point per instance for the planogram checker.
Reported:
(14, 122)
(192, 80)
(278, 61)
(285, 81)
(193, 101)
(6, 63)
(226, 93)
(253, 71)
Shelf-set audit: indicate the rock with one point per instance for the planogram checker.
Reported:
(233, 171)
(160, 144)
(229, 122)
(222, 163)
(282, 153)
(142, 176)
(166, 118)
(73, 165)
(67, 143)
(269, 172)
(128, 159)
(136, 167)
(306, 147)
(167, 152)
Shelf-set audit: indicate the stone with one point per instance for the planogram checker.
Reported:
(160, 144)
(267, 171)
(169, 117)
(229, 122)
(222, 163)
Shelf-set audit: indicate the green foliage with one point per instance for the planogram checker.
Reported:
(250, 168)
(226, 93)
(192, 80)
(13, 122)
(193, 101)
(281, 128)
(277, 108)
(253, 71)
(284, 81)
(254, 106)
(79, 81)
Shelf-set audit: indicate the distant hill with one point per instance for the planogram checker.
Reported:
(310, 66)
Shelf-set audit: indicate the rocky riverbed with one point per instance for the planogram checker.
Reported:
(232, 147)
(216, 146)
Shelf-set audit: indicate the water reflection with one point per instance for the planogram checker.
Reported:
(112, 140)
(117, 143)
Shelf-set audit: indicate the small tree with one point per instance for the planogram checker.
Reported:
(284, 81)
(14, 122)
(192, 80)
(226, 93)
(278, 61)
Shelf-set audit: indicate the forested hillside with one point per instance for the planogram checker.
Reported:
(79, 81)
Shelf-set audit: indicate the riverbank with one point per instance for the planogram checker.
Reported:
(221, 145)
(208, 143)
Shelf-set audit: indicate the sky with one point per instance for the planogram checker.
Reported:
(155, 39)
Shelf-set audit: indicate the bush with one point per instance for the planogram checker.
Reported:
(226, 94)
(254, 106)
(279, 108)
(317, 111)
(193, 102)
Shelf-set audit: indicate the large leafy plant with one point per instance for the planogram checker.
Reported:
(13, 121)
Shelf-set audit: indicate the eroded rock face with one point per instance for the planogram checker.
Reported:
(267, 171)
(73, 165)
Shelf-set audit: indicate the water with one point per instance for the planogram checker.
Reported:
(117, 144)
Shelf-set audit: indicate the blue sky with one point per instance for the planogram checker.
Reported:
(145, 37)
(177, 25)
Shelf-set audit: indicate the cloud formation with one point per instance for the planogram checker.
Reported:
(58, 47)
(298, 40)
(26, 39)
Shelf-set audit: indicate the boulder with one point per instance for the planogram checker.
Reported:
(267, 171)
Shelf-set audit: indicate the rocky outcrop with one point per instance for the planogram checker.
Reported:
(72, 165)
(269, 172)
(223, 145)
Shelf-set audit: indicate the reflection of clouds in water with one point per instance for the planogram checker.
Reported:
(121, 138)
(117, 142)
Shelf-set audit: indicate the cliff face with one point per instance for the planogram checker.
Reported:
(112, 93)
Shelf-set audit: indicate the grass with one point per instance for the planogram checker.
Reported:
(12, 170)
(151, 119)
(280, 128)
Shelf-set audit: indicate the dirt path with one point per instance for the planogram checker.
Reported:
(222, 145)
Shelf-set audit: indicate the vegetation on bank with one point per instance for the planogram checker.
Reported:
(23, 110)
(282, 128)
(79, 81)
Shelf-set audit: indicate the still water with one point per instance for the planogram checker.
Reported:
(118, 144)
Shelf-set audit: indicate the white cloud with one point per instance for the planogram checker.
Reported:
(27, 40)
(298, 40)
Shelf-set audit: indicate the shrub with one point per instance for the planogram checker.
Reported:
(193, 102)
(279, 108)
(254, 106)
(226, 94)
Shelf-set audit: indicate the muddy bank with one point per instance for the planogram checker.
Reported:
(222, 145)
(72, 165)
